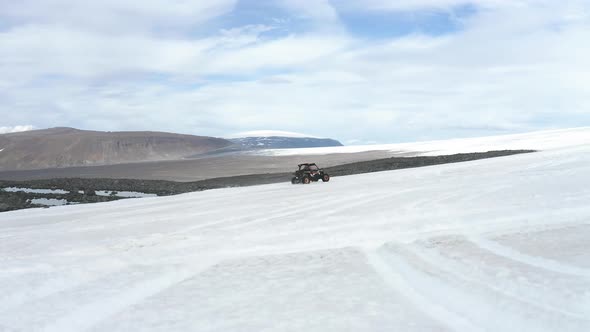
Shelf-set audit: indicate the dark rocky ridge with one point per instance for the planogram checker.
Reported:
(13, 201)
(394, 163)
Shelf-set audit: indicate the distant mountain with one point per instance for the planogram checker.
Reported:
(280, 140)
(65, 147)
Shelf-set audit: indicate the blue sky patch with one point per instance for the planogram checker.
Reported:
(388, 24)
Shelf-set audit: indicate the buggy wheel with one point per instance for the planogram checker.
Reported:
(306, 180)
(326, 178)
(294, 180)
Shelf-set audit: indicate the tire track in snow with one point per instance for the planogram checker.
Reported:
(61, 281)
(539, 262)
(7, 329)
(290, 211)
(255, 218)
(92, 313)
(335, 207)
(438, 312)
(474, 296)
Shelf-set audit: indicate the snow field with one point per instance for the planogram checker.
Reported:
(489, 245)
(541, 140)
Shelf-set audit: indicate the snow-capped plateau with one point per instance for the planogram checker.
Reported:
(489, 245)
(549, 139)
(273, 139)
(271, 133)
(276, 142)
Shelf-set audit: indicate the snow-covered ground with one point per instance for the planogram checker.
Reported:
(126, 194)
(49, 201)
(36, 191)
(546, 140)
(489, 245)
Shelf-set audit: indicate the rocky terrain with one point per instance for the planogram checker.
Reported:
(83, 190)
(67, 147)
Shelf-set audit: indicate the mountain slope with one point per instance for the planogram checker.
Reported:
(488, 245)
(64, 147)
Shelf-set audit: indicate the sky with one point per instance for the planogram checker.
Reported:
(371, 71)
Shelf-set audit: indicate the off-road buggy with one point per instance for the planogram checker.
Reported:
(309, 172)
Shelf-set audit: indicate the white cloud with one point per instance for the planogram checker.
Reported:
(289, 52)
(115, 16)
(513, 67)
(15, 129)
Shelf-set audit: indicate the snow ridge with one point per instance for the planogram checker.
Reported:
(397, 282)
